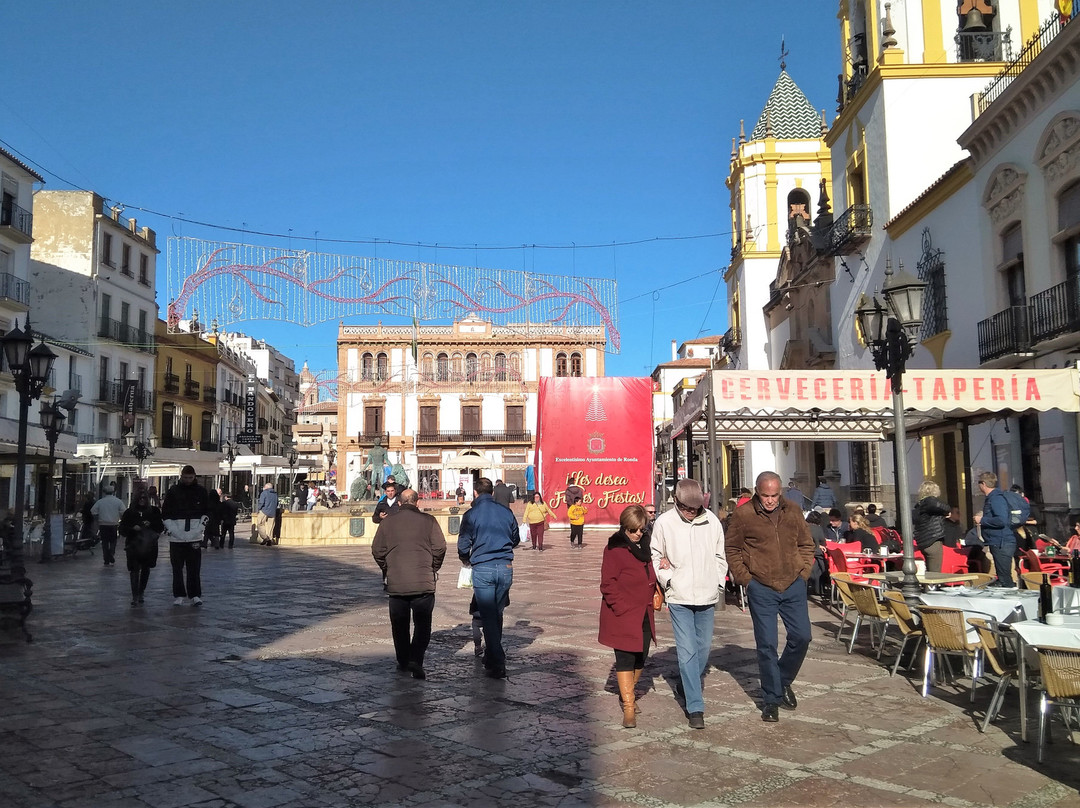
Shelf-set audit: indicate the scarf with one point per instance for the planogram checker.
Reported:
(639, 550)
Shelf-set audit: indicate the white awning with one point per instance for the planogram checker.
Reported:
(855, 405)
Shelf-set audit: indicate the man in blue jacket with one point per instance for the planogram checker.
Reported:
(486, 541)
(997, 532)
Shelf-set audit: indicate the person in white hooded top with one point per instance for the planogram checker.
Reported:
(691, 567)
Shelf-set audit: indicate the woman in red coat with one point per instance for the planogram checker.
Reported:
(627, 582)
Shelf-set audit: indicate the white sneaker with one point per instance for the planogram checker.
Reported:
(196, 601)
(178, 602)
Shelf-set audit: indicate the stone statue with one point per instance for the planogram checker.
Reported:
(401, 477)
(376, 459)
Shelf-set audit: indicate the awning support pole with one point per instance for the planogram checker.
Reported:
(710, 420)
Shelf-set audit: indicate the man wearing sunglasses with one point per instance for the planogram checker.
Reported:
(771, 553)
(688, 553)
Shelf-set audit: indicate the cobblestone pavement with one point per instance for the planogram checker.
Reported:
(281, 691)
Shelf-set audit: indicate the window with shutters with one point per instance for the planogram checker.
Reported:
(429, 420)
(515, 420)
(470, 420)
(373, 421)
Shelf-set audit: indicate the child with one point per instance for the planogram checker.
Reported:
(576, 514)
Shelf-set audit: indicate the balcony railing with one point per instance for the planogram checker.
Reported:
(11, 215)
(14, 289)
(731, 340)
(209, 446)
(126, 334)
(1056, 311)
(1007, 332)
(112, 392)
(1032, 48)
(850, 230)
(475, 436)
(983, 46)
(263, 424)
(367, 438)
(191, 388)
(849, 88)
(176, 442)
(210, 395)
(171, 383)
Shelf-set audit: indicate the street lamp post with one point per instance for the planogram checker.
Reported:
(140, 448)
(30, 368)
(291, 456)
(52, 421)
(891, 332)
(232, 451)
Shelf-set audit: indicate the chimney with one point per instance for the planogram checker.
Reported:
(131, 226)
(674, 351)
(115, 211)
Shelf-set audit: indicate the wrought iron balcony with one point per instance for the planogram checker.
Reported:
(19, 220)
(850, 230)
(263, 424)
(367, 438)
(112, 392)
(1056, 311)
(1006, 333)
(210, 395)
(126, 334)
(983, 46)
(731, 340)
(191, 388)
(209, 446)
(175, 442)
(171, 383)
(475, 436)
(14, 289)
(849, 88)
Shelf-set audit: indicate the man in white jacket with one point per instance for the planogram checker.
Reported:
(108, 511)
(688, 553)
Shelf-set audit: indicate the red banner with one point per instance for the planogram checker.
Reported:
(600, 432)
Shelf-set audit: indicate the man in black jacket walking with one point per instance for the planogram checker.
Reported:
(410, 549)
(185, 511)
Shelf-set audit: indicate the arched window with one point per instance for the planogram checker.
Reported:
(382, 367)
(560, 364)
(500, 367)
(575, 364)
(367, 367)
(485, 366)
(427, 367)
(515, 365)
(457, 367)
(1012, 266)
(472, 367)
(443, 367)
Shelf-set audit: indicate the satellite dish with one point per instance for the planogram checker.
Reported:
(68, 399)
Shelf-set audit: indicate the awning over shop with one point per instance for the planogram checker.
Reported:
(857, 405)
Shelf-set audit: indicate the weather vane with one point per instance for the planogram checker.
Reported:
(783, 54)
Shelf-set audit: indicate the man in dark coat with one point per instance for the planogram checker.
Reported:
(388, 505)
(502, 493)
(185, 512)
(770, 552)
(410, 549)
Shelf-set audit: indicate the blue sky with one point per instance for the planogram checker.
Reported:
(496, 124)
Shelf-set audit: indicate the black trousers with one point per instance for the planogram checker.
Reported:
(417, 609)
(229, 530)
(186, 557)
(107, 534)
(576, 533)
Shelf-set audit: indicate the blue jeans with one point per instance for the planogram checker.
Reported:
(1002, 554)
(491, 586)
(790, 606)
(693, 630)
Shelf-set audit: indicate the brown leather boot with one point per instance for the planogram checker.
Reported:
(626, 694)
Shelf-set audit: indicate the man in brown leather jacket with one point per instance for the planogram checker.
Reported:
(771, 553)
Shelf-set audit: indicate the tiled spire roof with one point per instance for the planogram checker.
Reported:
(788, 113)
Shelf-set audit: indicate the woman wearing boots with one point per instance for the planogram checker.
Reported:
(627, 583)
(140, 526)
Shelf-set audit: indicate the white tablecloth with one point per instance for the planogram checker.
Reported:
(1008, 606)
(1066, 599)
(1038, 634)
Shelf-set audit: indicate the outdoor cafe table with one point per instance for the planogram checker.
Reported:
(1003, 605)
(1034, 634)
(896, 577)
(1066, 599)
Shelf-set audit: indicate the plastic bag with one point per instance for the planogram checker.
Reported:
(464, 578)
(523, 532)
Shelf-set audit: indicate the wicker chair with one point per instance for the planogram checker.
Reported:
(872, 611)
(982, 581)
(1033, 580)
(1061, 688)
(946, 635)
(905, 621)
(995, 652)
(841, 582)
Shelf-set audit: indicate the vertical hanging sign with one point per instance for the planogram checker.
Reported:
(128, 392)
(250, 434)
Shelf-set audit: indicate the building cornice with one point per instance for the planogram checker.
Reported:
(1051, 72)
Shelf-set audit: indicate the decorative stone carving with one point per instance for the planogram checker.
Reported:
(1004, 193)
(1059, 148)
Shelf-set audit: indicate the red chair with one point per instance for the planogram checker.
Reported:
(953, 561)
(1031, 562)
(858, 562)
(838, 562)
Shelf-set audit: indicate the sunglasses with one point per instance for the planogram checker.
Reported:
(687, 509)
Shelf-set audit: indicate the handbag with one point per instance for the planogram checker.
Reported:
(464, 578)
(148, 540)
(658, 597)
